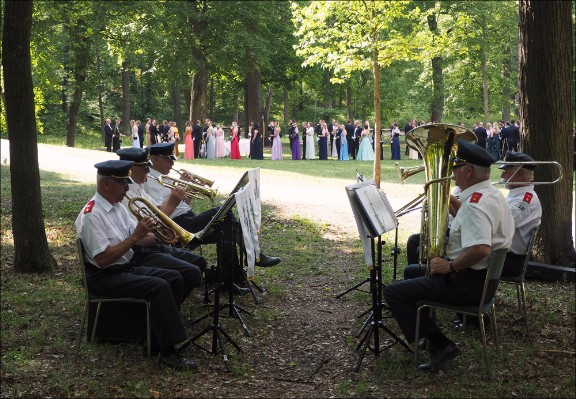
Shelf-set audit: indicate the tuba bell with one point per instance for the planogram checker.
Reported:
(165, 229)
(437, 143)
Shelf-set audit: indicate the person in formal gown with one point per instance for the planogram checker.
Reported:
(395, 141)
(277, 144)
(493, 144)
(295, 142)
(210, 141)
(234, 142)
(323, 142)
(257, 145)
(116, 136)
(310, 147)
(335, 144)
(365, 151)
(220, 148)
(188, 142)
(343, 156)
(134, 138)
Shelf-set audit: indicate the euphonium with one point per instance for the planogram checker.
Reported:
(165, 229)
(192, 190)
(404, 173)
(437, 143)
(196, 179)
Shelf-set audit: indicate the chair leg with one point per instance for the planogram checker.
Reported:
(518, 298)
(79, 339)
(524, 312)
(93, 334)
(483, 332)
(417, 335)
(148, 330)
(495, 330)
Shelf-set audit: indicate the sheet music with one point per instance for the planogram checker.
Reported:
(378, 210)
(245, 205)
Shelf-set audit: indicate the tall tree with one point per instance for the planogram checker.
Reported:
(31, 252)
(546, 116)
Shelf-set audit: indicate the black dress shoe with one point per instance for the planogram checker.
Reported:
(439, 357)
(267, 261)
(178, 362)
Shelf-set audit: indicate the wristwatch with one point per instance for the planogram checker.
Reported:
(452, 266)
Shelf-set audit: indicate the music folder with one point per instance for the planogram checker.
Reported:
(372, 207)
(225, 208)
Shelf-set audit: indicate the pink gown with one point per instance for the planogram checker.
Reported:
(220, 148)
(188, 144)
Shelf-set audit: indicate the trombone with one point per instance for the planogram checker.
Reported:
(534, 183)
(196, 179)
(192, 190)
(165, 229)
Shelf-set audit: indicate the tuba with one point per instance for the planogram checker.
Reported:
(165, 229)
(438, 144)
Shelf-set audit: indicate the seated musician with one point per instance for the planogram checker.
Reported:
(525, 207)
(162, 162)
(482, 224)
(108, 234)
(184, 262)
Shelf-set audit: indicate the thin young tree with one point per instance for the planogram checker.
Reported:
(546, 117)
(31, 252)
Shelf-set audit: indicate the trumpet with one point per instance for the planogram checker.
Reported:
(196, 179)
(192, 190)
(165, 229)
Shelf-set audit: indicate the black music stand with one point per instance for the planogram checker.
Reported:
(374, 216)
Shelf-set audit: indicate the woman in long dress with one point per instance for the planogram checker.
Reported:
(174, 138)
(365, 150)
(135, 139)
(210, 142)
(295, 144)
(344, 147)
(277, 144)
(493, 140)
(323, 142)
(335, 143)
(310, 149)
(188, 142)
(116, 136)
(220, 148)
(234, 142)
(395, 141)
(257, 146)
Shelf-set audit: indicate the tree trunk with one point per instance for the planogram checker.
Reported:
(376, 72)
(268, 106)
(100, 91)
(546, 116)
(126, 98)
(506, 87)
(199, 94)
(485, 85)
(211, 99)
(177, 111)
(286, 108)
(188, 103)
(349, 109)
(437, 104)
(235, 113)
(73, 115)
(253, 99)
(31, 252)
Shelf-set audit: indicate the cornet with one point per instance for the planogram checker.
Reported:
(192, 190)
(165, 229)
(196, 179)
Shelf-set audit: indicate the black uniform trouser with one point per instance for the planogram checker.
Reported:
(188, 264)
(462, 288)
(162, 288)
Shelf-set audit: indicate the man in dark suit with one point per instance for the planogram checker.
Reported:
(197, 136)
(513, 136)
(349, 127)
(108, 135)
(331, 129)
(337, 137)
(357, 135)
(140, 133)
(153, 132)
(481, 135)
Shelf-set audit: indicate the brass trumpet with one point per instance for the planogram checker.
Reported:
(192, 190)
(165, 229)
(196, 179)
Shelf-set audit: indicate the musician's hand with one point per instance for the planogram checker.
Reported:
(186, 176)
(178, 194)
(439, 266)
(144, 226)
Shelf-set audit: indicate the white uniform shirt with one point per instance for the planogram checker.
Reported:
(527, 212)
(483, 219)
(101, 225)
(160, 193)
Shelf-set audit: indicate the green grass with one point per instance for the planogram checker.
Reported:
(40, 316)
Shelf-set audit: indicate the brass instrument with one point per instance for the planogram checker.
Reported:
(192, 190)
(534, 183)
(404, 173)
(196, 179)
(438, 144)
(165, 229)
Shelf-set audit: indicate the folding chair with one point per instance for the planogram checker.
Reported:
(519, 280)
(99, 300)
(485, 307)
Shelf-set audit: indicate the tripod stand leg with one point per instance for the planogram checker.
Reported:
(366, 324)
(234, 313)
(364, 343)
(353, 288)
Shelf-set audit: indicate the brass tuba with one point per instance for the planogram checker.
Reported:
(165, 229)
(192, 190)
(437, 143)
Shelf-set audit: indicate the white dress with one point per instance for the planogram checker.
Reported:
(310, 150)
(135, 138)
(211, 144)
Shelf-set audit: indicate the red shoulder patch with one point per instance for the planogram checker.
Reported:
(527, 197)
(475, 197)
(89, 206)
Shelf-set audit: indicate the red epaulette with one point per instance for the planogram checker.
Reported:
(527, 197)
(89, 206)
(475, 197)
